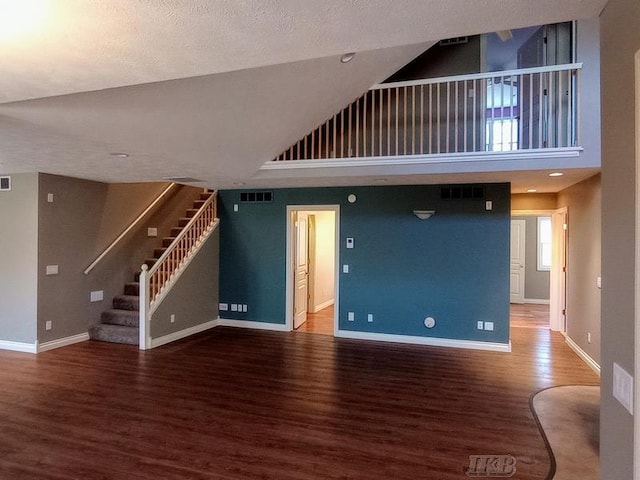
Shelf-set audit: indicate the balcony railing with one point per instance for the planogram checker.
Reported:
(533, 108)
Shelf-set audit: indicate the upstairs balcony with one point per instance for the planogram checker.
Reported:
(517, 114)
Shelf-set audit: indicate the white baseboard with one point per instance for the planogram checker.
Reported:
(19, 346)
(172, 337)
(322, 306)
(278, 327)
(583, 355)
(537, 301)
(63, 342)
(431, 341)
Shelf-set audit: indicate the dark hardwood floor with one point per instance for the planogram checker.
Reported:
(238, 404)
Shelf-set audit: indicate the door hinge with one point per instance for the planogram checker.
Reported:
(564, 312)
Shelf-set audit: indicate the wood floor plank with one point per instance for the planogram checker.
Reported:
(236, 404)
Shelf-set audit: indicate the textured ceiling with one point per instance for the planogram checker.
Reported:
(211, 89)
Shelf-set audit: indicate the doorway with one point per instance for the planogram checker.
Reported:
(538, 268)
(312, 268)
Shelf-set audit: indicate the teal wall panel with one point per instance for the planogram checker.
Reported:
(453, 267)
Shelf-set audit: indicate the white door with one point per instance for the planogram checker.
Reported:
(516, 277)
(301, 270)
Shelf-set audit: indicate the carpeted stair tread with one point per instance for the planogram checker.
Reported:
(115, 334)
(157, 253)
(126, 302)
(205, 196)
(198, 203)
(191, 212)
(175, 231)
(132, 288)
(150, 262)
(127, 318)
(183, 221)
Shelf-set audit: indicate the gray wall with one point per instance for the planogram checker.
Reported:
(620, 40)
(583, 265)
(194, 298)
(536, 283)
(83, 219)
(19, 259)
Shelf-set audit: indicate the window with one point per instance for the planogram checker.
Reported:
(544, 243)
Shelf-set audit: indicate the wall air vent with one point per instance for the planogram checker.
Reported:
(462, 192)
(256, 197)
(454, 41)
(5, 184)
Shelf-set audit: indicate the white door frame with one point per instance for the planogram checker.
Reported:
(557, 287)
(289, 260)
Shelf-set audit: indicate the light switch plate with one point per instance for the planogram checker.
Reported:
(623, 387)
(235, 207)
(234, 307)
(489, 205)
(480, 325)
(52, 270)
(223, 307)
(351, 316)
(96, 296)
(345, 268)
(152, 232)
(488, 326)
(599, 282)
(48, 325)
(370, 317)
(350, 242)
(50, 197)
(244, 308)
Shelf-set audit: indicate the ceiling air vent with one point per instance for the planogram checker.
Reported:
(5, 184)
(462, 192)
(454, 41)
(256, 197)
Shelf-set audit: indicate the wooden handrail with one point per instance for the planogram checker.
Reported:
(129, 228)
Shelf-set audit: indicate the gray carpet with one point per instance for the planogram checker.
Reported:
(570, 419)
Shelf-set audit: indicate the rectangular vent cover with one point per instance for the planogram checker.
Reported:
(462, 192)
(256, 197)
(5, 184)
(454, 41)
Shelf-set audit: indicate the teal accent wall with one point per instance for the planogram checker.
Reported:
(453, 267)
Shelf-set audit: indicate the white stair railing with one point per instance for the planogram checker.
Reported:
(157, 281)
(525, 109)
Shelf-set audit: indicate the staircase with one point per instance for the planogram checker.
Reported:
(121, 323)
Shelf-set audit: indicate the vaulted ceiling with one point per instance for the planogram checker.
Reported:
(209, 89)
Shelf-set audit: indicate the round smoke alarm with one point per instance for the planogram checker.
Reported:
(429, 322)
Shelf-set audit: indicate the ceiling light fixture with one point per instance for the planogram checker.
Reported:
(119, 154)
(424, 214)
(556, 174)
(20, 18)
(532, 190)
(347, 57)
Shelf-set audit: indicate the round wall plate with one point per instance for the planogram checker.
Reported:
(429, 322)
(352, 198)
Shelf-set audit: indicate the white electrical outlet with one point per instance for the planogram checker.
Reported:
(345, 268)
(599, 282)
(351, 316)
(172, 318)
(488, 326)
(96, 296)
(350, 242)
(623, 387)
(480, 325)
(48, 325)
(223, 307)
(234, 307)
(235, 207)
(370, 317)
(50, 197)
(488, 205)
(244, 308)
(52, 270)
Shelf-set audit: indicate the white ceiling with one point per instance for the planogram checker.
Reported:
(211, 89)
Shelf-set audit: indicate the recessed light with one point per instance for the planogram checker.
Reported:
(119, 154)
(532, 190)
(347, 57)
(556, 174)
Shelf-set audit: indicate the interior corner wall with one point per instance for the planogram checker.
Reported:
(620, 40)
(19, 260)
(583, 202)
(453, 267)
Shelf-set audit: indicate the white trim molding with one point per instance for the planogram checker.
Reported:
(537, 301)
(322, 306)
(583, 355)
(179, 335)
(19, 346)
(429, 341)
(63, 342)
(252, 325)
